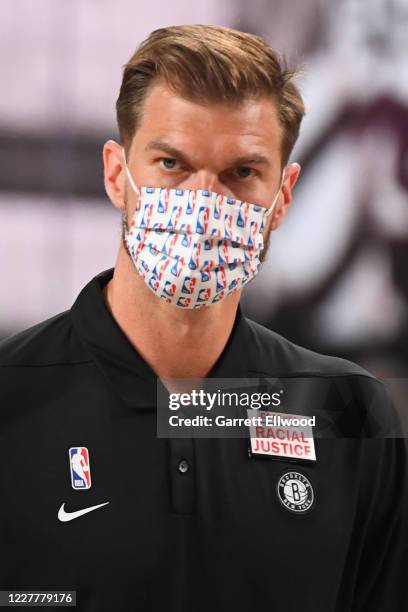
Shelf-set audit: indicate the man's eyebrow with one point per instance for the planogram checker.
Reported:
(256, 158)
(161, 145)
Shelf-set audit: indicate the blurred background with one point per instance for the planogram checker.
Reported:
(336, 276)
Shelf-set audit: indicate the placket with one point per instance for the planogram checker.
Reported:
(182, 474)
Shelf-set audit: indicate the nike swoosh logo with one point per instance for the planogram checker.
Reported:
(69, 516)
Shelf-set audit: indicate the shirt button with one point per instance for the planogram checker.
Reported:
(183, 466)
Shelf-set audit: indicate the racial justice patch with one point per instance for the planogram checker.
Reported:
(282, 435)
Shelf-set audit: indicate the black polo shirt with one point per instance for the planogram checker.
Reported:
(188, 524)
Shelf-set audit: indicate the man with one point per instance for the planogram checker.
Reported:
(207, 118)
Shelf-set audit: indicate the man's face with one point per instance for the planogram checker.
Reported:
(231, 150)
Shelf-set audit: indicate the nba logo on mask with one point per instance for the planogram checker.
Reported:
(80, 468)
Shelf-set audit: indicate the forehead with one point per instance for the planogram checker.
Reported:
(214, 127)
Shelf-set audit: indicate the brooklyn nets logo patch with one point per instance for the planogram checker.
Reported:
(295, 492)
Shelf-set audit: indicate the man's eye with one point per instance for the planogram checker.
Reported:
(243, 172)
(168, 163)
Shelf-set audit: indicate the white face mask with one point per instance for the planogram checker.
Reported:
(194, 247)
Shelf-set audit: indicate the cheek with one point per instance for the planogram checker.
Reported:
(258, 193)
(144, 172)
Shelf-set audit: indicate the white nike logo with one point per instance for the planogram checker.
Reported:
(69, 516)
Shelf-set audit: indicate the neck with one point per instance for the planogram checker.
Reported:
(175, 342)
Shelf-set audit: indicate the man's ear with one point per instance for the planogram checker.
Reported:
(292, 172)
(114, 172)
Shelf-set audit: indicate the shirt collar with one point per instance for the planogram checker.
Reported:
(132, 378)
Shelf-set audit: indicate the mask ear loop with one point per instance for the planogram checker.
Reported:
(272, 206)
(132, 183)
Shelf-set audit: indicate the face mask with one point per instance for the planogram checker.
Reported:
(194, 247)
